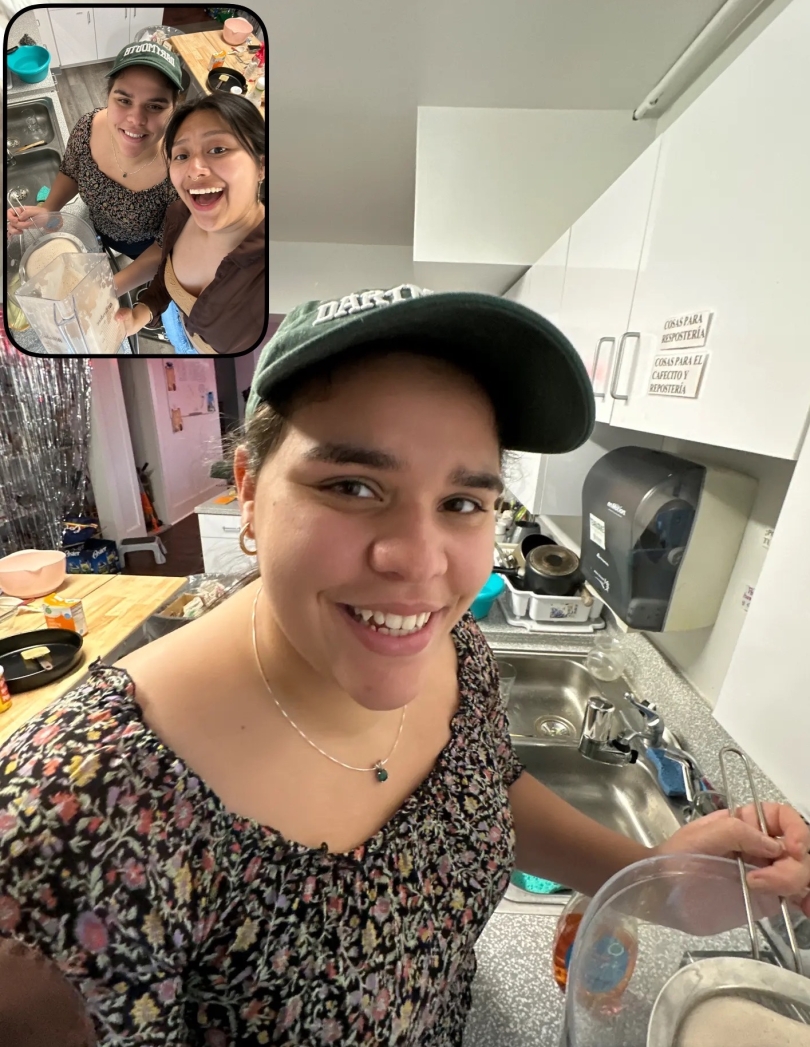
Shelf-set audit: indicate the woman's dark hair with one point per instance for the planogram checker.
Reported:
(173, 89)
(263, 433)
(241, 116)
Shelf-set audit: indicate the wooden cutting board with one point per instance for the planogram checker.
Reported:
(113, 609)
(74, 587)
(196, 49)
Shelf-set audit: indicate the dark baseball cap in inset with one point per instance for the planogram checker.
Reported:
(539, 387)
(153, 55)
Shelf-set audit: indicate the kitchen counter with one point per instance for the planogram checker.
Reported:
(114, 605)
(516, 1002)
(214, 507)
(195, 50)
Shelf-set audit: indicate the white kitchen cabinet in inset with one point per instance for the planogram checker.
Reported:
(75, 32)
(728, 233)
(46, 35)
(141, 18)
(112, 30)
(600, 274)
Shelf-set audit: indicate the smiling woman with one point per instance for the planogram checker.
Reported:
(114, 159)
(210, 284)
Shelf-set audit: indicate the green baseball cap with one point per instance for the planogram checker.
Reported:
(153, 55)
(538, 385)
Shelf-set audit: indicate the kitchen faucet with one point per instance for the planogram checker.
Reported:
(600, 741)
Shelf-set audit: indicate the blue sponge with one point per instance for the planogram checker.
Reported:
(670, 773)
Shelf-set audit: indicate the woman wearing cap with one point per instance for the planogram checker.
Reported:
(114, 159)
(289, 821)
(210, 287)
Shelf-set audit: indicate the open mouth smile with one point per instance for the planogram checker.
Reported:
(206, 199)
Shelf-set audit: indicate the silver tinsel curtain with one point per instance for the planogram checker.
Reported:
(44, 446)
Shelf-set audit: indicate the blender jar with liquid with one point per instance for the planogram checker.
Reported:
(66, 289)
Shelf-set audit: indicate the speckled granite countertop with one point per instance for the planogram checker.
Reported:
(515, 1000)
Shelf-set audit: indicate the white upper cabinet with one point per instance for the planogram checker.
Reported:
(728, 233)
(541, 287)
(603, 259)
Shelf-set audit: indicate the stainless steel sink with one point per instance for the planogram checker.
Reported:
(32, 121)
(546, 711)
(30, 172)
(624, 798)
(550, 694)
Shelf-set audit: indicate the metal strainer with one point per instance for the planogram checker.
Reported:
(785, 992)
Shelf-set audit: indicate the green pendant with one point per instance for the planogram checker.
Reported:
(382, 774)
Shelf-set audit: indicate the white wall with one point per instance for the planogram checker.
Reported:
(300, 272)
(499, 186)
(704, 655)
(179, 462)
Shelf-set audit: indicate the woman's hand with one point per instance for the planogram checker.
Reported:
(134, 319)
(782, 858)
(20, 222)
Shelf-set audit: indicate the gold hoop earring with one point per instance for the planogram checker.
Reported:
(243, 534)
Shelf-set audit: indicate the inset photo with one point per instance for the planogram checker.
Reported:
(135, 181)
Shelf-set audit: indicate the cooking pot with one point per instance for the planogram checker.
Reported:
(553, 570)
(532, 540)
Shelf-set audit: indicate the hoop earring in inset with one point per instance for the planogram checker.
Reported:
(243, 535)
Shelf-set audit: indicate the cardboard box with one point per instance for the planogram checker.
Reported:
(64, 613)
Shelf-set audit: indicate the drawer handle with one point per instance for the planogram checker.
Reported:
(599, 344)
(618, 368)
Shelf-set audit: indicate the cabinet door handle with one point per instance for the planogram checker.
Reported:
(618, 368)
(599, 344)
(231, 530)
(88, 18)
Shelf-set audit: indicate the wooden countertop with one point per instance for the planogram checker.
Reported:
(114, 605)
(196, 49)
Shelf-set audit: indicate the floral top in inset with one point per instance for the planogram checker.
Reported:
(183, 924)
(126, 215)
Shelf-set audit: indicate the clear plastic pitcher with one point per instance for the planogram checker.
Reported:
(71, 304)
(683, 908)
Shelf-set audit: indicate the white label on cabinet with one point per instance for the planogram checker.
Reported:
(747, 596)
(766, 538)
(688, 331)
(677, 375)
(597, 531)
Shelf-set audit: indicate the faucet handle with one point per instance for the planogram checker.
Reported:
(598, 722)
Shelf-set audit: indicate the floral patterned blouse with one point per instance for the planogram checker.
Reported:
(182, 924)
(125, 215)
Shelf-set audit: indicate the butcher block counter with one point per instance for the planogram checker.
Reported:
(195, 49)
(114, 605)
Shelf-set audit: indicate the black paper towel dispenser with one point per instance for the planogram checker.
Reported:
(660, 535)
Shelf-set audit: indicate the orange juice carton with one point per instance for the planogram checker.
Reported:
(63, 613)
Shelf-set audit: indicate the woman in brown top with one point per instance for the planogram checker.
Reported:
(115, 160)
(211, 284)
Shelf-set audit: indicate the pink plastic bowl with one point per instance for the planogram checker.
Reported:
(32, 572)
(236, 30)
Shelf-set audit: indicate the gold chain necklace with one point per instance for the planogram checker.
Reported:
(378, 768)
(118, 162)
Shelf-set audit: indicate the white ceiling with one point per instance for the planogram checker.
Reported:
(346, 78)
